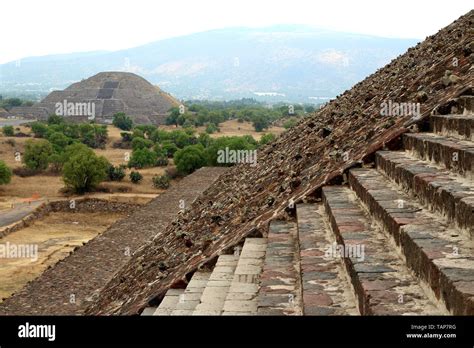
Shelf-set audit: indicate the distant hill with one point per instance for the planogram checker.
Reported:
(295, 63)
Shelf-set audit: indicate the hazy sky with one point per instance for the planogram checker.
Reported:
(40, 27)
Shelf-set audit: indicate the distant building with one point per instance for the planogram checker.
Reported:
(101, 96)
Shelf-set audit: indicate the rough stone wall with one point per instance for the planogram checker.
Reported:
(344, 133)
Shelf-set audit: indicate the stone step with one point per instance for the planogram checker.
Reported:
(466, 103)
(214, 295)
(382, 282)
(454, 126)
(437, 189)
(454, 154)
(242, 296)
(188, 301)
(279, 292)
(438, 254)
(148, 311)
(170, 301)
(325, 285)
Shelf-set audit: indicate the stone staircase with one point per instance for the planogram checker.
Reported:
(395, 239)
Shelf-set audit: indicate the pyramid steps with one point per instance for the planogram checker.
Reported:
(188, 301)
(437, 253)
(438, 189)
(170, 301)
(279, 292)
(454, 126)
(148, 311)
(213, 297)
(325, 286)
(454, 154)
(241, 298)
(381, 281)
(395, 240)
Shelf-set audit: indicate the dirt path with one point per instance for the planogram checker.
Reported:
(18, 212)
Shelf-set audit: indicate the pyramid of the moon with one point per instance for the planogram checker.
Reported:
(106, 94)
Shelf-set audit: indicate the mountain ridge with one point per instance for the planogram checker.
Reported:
(295, 61)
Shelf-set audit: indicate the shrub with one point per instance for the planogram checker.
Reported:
(8, 131)
(126, 137)
(24, 172)
(135, 177)
(142, 158)
(56, 161)
(59, 141)
(169, 148)
(55, 119)
(161, 181)
(267, 138)
(291, 122)
(84, 170)
(115, 173)
(122, 121)
(37, 154)
(260, 122)
(190, 158)
(11, 142)
(141, 143)
(233, 143)
(211, 128)
(162, 161)
(181, 138)
(5, 173)
(205, 140)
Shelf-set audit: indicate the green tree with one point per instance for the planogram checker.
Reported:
(37, 154)
(142, 158)
(232, 143)
(55, 119)
(141, 143)
(291, 122)
(8, 131)
(84, 170)
(135, 177)
(161, 182)
(11, 102)
(267, 138)
(190, 158)
(39, 129)
(59, 141)
(115, 173)
(260, 123)
(211, 128)
(122, 121)
(169, 148)
(172, 119)
(5, 173)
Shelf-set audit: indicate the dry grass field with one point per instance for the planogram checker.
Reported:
(56, 236)
(234, 128)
